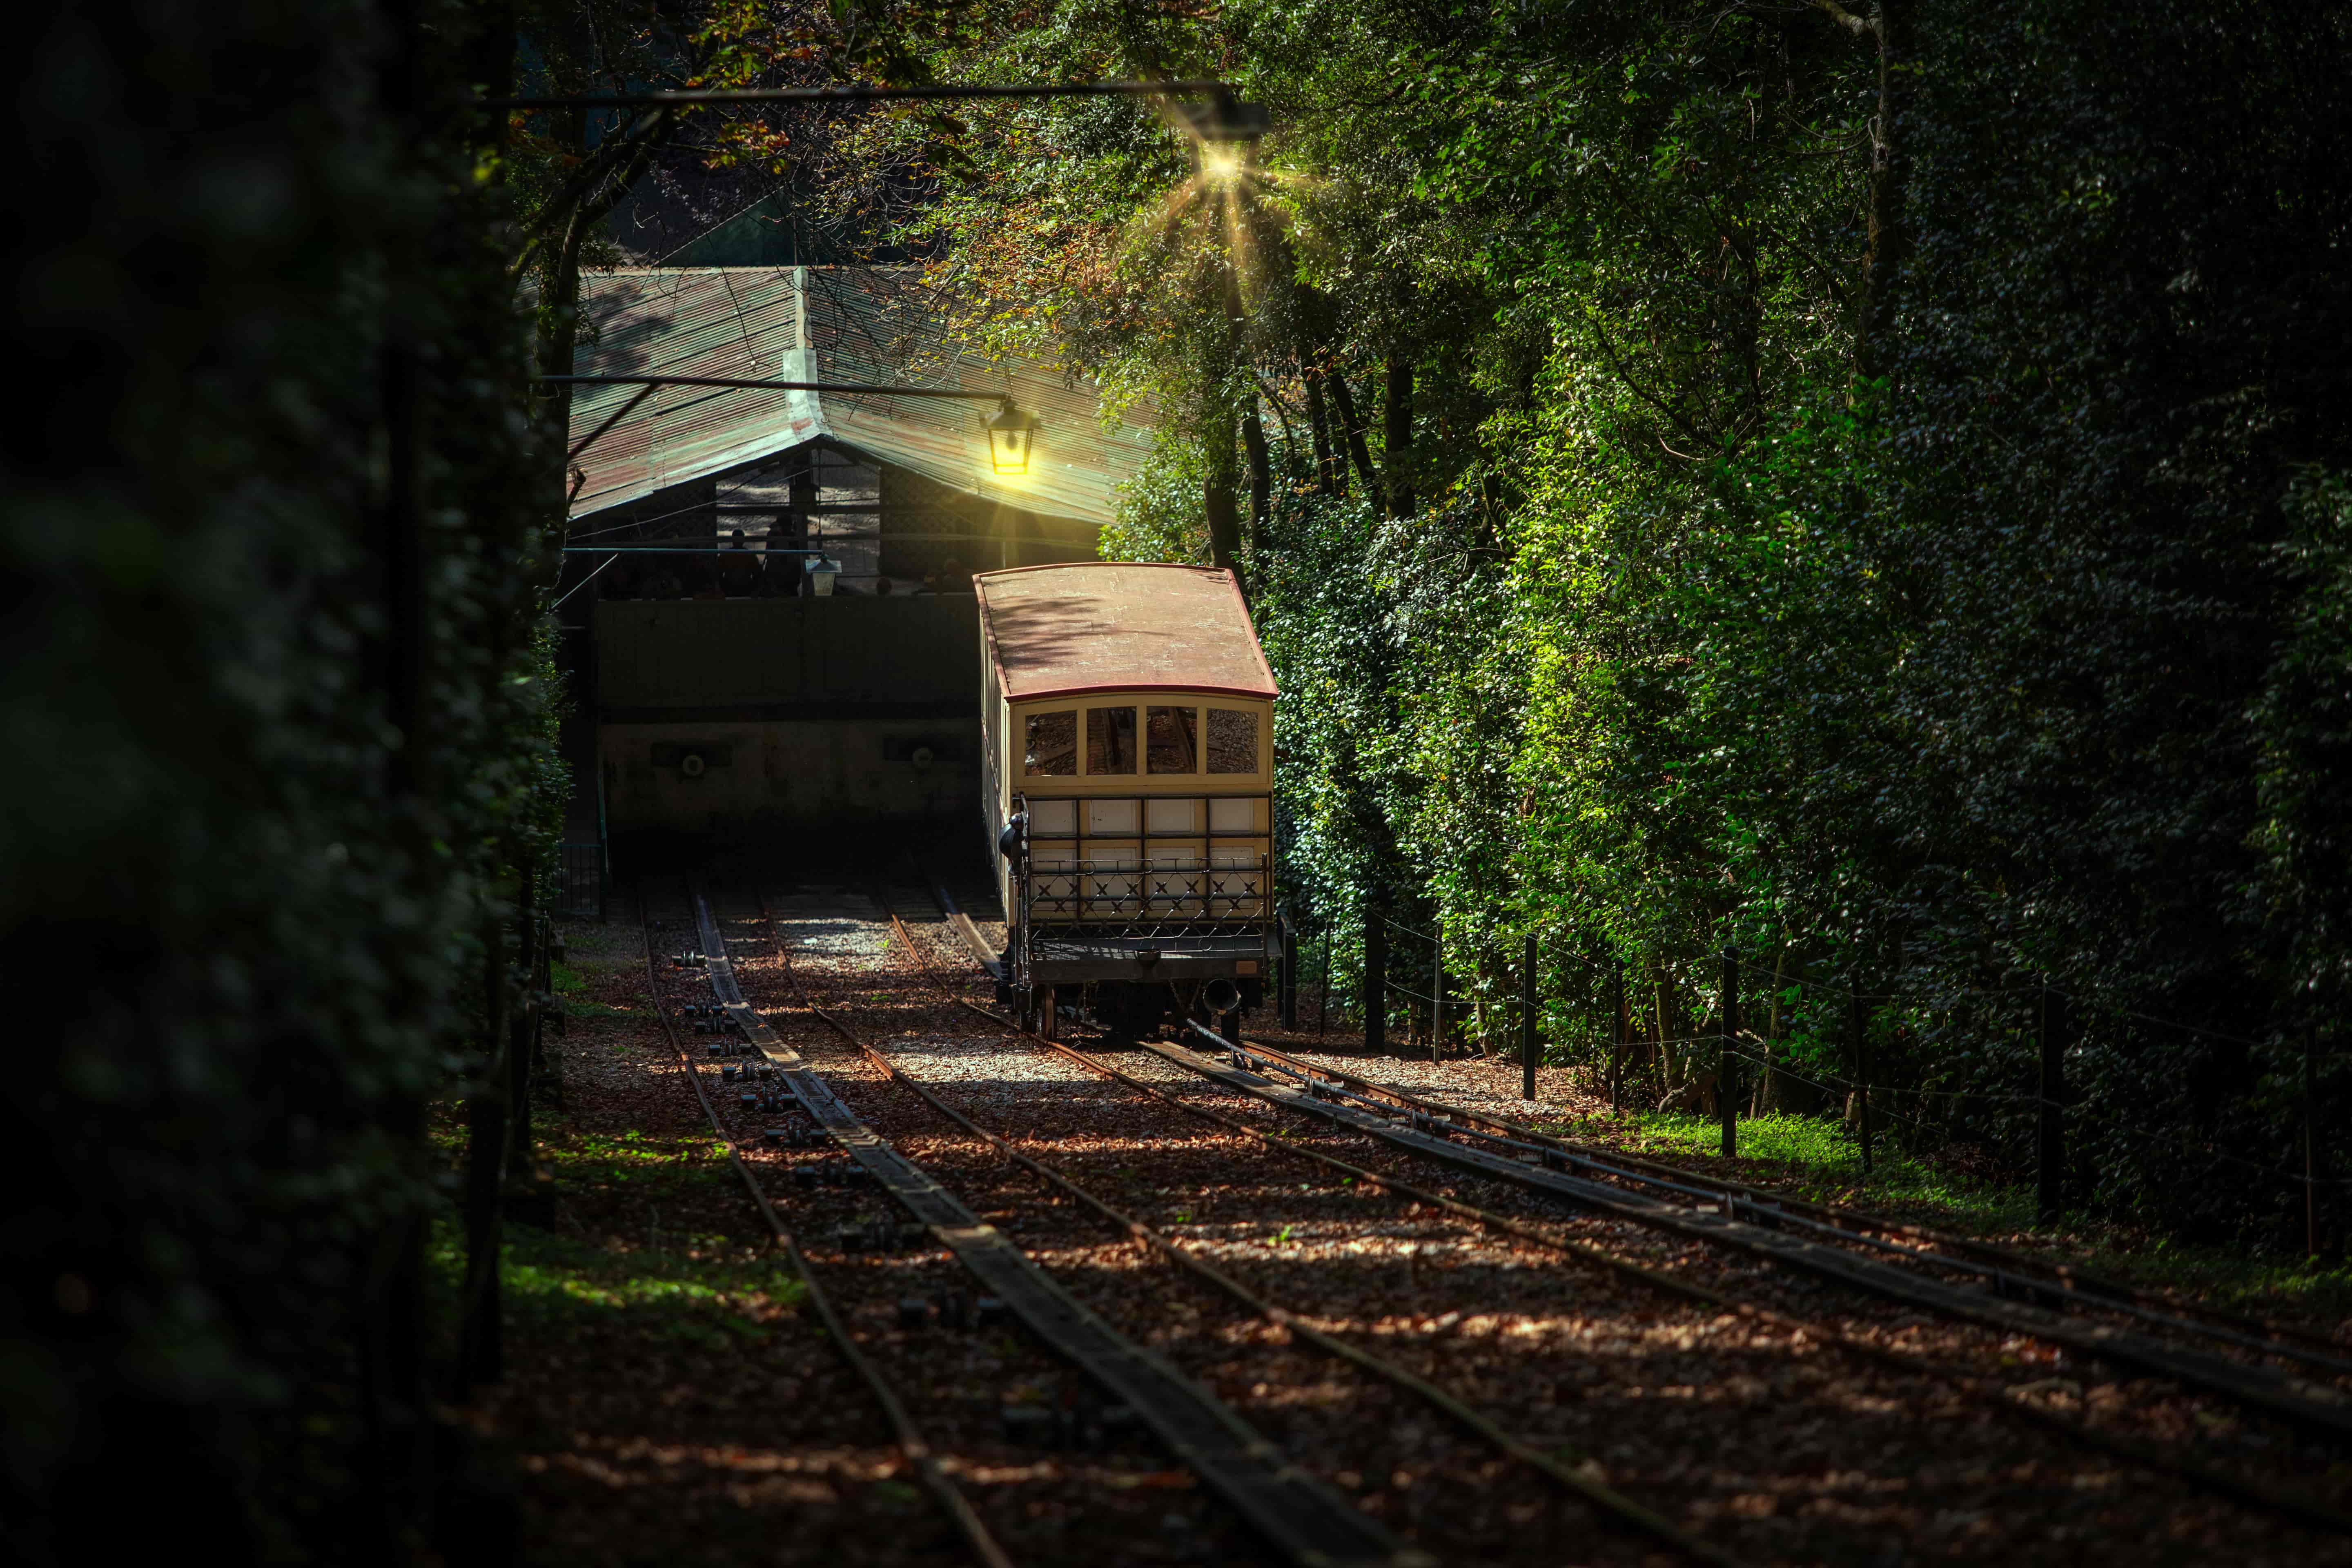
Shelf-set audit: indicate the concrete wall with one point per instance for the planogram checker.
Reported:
(915, 651)
(806, 715)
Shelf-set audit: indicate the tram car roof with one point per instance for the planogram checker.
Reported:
(1119, 625)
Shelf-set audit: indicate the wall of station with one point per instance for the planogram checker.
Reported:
(769, 719)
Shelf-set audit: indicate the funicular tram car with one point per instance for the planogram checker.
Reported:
(1128, 714)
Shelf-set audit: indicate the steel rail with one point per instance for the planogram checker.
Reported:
(2053, 1284)
(2220, 1483)
(1606, 1498)
(1255, 1054)
(1306, 1522)
(2310, 1407)
(920, 1455)
(965, 929)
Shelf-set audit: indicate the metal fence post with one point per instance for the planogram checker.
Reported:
(1726, 1081)
(1436, 989)
(1289, 992)
(2051, 1141)
(1527, 1024)
(1858, 1027)
(1323, 996)
(1376, 984)
(1618, 1030)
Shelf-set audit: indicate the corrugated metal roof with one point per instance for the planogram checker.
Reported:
(875, 325)
(1055, 631)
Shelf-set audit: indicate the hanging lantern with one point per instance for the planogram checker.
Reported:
(1224, 131)
(1010, 436)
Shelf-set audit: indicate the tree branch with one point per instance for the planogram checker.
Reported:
(1857, 26)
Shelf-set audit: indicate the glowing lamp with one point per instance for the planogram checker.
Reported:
(1225, 119)
(1010, 435)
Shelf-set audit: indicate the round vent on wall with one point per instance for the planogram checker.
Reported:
(920, 756)
(691, 764)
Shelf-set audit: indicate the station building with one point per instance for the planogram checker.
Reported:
(720, 696)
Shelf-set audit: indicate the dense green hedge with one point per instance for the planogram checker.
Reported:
(267, 777)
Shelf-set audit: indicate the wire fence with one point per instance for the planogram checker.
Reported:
(1968, 1107)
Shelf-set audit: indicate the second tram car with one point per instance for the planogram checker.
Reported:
(1128, 716)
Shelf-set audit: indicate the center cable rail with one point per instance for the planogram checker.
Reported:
(2218, 1483)
(1303, 1520)
(2312, 1408)
(2009, 1273)
(911, 1442)
(1606, 1498)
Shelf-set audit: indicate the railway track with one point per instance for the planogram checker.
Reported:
(1791, 1244)
(918, 1452)
(1605, 1499)
(2016, 1291)
(2003, 1272)
(2237, 1489)
(1301, 1521)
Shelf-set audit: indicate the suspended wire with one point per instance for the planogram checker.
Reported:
(2200, 1029)
(1400, 925)
(581, 584)
(698, 506)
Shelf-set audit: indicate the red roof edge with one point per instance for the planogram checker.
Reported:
(1257, 649)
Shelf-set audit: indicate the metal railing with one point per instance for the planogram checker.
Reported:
(1153, 900)
(580, 882)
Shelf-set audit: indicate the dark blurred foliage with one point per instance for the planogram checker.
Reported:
(270, 544)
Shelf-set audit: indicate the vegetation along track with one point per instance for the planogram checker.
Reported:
(2158, 1412)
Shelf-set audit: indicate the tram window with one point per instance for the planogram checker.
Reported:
(1169, 743)
(1232, 741)
(1052, 744)
(1110, 740)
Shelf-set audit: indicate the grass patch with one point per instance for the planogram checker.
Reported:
(554, 1283)
(1817, 1159)
(571, 988)
(641, 1255)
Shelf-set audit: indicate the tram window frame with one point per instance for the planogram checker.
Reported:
(1185, 720)
(1036, 725)
(1113, 734)
(1214, 743)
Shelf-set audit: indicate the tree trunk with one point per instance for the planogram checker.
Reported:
(1218, 500)
(520, 1023)
(1398, 412)
(1330, 477)
(1885, 246)
(1353, 428)
(560, 302)
(1261, 477)
(1669, 1056)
